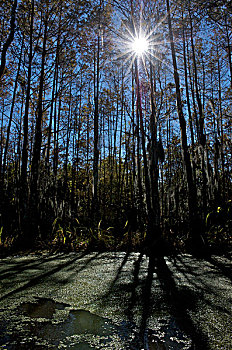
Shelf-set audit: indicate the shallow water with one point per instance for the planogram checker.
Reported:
(42, 308)
(83, 330)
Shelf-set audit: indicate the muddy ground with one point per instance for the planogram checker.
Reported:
(115, 301)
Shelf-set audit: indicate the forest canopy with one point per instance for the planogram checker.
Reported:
(106, 146)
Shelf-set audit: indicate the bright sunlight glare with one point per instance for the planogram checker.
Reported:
(140, 46)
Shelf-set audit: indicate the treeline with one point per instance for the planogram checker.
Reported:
(100, 146)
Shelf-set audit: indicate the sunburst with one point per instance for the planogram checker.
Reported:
(141, 41)
(140, 46)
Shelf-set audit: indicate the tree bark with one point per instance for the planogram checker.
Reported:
(96, 132)
(194, 229)
(35, 166)
(9, 39)
(23, 178)
(11, 115)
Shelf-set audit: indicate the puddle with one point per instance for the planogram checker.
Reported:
(81, 322)
(42, 308)
(79, 326)
(83, 330)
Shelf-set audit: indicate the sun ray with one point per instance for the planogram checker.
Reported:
(157, 58)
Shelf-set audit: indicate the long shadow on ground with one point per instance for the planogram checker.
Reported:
(28, 264)
(35, 280)
(181, 301)
(200, 281)
(133, 287)
(226, 270)
(146, 301)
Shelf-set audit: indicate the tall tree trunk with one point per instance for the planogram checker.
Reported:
(35, 166)
(120, 144)
(87, 156)
(54, 91)
(187, 89)
(11, 114)
(154, 169)
(200, 108)
(96, 132)
(2, 137)
(229, 52)
(139, 189)
(56, 138)
(152, 221)
(133, 190)
(24, 180)
(53, 101)
(220, 127)
(195, 230)
(9, 39)
(68, 139)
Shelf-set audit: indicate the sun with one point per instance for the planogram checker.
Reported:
(139, 46)
(138, 43)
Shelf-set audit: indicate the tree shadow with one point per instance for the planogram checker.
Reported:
(225, 270)
(181, 301)
(146, 301)
(35, 280)
(28, 264)
(73, 271)
(123, 263)
(133, 287)
(117, 287)
(200, 284)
